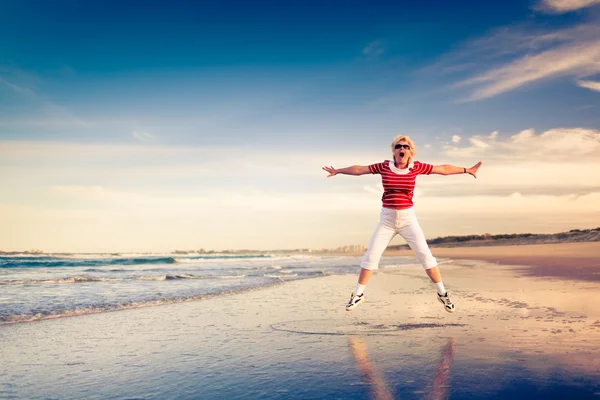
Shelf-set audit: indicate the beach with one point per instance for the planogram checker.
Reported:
(565, 260)
(514, 335)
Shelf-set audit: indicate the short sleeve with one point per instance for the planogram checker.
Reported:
(423, 168)
(376, 168)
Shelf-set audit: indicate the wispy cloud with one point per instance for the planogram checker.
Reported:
(142, 136)
(15, 87)
(563, 6)
(20, 80)
(509, 43)
(30, 103)
(374, 49)
(581, 59)
(509, 58)
(592, 85)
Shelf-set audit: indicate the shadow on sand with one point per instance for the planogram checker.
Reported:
(343, 328)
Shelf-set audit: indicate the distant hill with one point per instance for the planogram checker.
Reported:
(515, 239)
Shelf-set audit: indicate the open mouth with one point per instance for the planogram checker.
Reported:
(401, 154)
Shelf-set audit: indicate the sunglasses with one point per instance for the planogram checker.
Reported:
(402, 146)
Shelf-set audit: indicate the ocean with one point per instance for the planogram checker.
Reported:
(37, 287)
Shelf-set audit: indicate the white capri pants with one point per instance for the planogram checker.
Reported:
(398, 222)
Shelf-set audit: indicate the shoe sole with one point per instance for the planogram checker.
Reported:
(444, 304)
(355, 305)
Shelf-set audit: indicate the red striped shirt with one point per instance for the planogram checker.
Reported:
(399, 184)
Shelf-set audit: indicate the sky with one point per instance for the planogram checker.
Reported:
(161, 125)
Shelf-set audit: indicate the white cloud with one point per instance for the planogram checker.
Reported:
(556, 162)
(592, 85)
(455, 139)
(562, 6)
(560, 144)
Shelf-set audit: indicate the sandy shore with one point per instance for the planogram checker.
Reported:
(566, 260)
(512, 336)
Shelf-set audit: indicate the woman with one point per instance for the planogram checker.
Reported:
(397, 215)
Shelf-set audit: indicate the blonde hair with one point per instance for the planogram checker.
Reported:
(408, 140)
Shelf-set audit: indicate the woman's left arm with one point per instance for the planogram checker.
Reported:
(448, 169)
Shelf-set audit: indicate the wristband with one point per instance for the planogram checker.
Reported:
(465, 170)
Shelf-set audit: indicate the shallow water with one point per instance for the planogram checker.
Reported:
(34, 288)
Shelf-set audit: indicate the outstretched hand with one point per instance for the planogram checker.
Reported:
(332, 171)
(473, 169)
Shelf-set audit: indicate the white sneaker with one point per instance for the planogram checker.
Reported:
(354, 301)
(446, 301)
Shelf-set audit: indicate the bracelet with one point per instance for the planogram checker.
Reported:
(465, 170)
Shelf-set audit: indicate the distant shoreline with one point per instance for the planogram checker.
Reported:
(573, 236)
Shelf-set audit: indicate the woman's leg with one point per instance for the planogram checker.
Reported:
(434, 274)
(382, 236)
(379, 241)
(364, 276)
(413, 234)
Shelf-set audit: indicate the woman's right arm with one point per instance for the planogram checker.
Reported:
(353, 170)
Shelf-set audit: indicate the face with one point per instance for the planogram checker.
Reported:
(402, 152)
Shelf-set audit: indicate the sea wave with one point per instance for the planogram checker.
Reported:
(77, 261)
(49, 262)
(6, 319)
(86, 279)
(38, 316)
(280, 275)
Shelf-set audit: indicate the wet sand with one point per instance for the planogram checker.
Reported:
(512, 336)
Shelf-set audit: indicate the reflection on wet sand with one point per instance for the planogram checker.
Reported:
(373, 378)
(441, 381)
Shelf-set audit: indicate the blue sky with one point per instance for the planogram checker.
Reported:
(150, 126)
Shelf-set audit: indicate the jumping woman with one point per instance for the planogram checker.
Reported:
(397, 215)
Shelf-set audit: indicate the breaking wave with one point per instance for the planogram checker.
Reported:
(84, 279)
